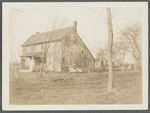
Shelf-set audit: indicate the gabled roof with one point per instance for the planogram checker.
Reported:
(40, 37)
(55, 36)
(84, 45)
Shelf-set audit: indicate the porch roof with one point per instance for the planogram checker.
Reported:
(33, 54)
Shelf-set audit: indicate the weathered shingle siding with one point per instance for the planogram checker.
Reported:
(69, 46)
(39, 38)
(77, 49)
(56, 55)
(32, 48)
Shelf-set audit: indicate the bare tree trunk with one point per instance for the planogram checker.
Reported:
(140, 63)
(17, 72)
(109, 51)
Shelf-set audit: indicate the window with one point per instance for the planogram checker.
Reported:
(51, 47)
(82, 51)
(90, 63)
(38, 47)
(28, 49)
(24, 50)
(32, 48)
(72, 36)
(50, 61)
(43, 47)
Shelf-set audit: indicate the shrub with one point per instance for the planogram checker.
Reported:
(36, 68)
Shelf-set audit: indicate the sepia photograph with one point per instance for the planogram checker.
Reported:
(75, 56)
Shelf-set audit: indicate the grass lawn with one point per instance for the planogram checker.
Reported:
(74, 88)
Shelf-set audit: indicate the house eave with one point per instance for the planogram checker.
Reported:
(84, 44)
(40, 43)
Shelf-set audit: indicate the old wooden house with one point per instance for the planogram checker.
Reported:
(66, 49)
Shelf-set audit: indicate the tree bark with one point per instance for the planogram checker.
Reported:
(42, 64)
(109, 51)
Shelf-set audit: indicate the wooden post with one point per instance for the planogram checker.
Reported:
(109, 50)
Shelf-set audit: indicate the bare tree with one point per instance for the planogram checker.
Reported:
(48, 37)
(133, 37)
(17, 11)
(13, 55)
(71, 52)
(102, 53)
(101, 56)
(122, 47)
(109, 50)
(16, 63)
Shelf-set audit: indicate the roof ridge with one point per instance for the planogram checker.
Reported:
(43, 34)
(52, 30)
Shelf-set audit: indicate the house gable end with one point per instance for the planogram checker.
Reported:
(80, 41)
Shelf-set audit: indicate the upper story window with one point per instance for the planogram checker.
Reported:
(23, 50)
(82, 51)
(28, 49)
(38, 48)
(51, 47)
(90, 63)
(33, 48)
(43, 47)
(72, 36)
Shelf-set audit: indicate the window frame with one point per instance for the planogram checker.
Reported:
(36, 49)
(49, 49)
(28, 49)
(50, 59)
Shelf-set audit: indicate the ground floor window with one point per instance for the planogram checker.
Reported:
(90, 63)
(49, 61)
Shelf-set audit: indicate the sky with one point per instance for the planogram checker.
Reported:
(91, 22)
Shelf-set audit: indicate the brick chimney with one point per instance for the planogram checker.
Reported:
(75, 25)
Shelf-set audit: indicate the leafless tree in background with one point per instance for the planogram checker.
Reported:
(102, 54)
(133, 37)
(15, 62)
(122, 47)
(14, 58)
(55, 26)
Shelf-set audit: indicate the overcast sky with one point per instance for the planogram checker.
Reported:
(91, 21)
